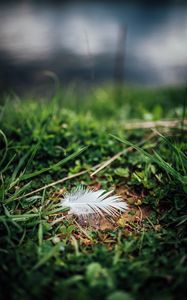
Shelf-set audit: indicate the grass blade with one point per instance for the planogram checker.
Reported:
(48, 255)
(60, 163)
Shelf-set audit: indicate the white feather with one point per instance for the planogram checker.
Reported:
(83, 202)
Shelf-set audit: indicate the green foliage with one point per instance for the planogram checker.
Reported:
(180, 160)
(42, 142)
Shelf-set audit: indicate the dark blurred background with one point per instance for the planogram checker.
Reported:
(92, 42)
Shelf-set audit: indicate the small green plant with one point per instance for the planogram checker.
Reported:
(179, 172)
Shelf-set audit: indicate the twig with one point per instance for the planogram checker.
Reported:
(98, 168)
(152, 124)
(57, 220)
(109, 161)
(53, 183)
(116, 156)
(141, 214)
(83, 231)
(57, 182)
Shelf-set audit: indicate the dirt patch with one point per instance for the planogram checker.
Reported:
(132, 215)
(135, 213)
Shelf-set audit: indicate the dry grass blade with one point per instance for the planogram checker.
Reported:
(153, 124)
(116, 156)
(98, 168)
(53, 184)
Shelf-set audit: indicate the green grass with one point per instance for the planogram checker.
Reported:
(43, 141)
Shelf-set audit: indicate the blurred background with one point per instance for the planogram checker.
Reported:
(88, 43)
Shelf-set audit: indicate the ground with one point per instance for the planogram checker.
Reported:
(51, 146)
